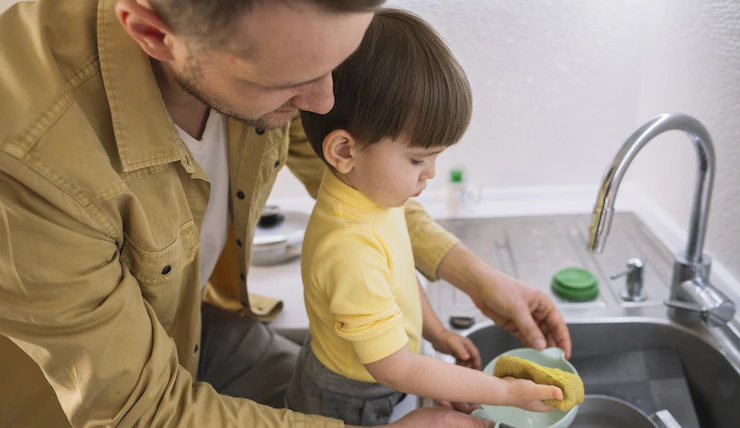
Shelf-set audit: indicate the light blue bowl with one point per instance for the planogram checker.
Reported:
(519, 418)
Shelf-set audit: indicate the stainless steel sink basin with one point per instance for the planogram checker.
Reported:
(630, 350)
(645, 361)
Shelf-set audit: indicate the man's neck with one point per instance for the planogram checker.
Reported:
(188, 112)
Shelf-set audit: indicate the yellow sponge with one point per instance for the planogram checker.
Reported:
(570, 383)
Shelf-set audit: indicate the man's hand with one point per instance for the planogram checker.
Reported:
(440, 417)
(462, 348)
(518, 307)
(523, 310)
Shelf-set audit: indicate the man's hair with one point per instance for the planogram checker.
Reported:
(402, 81)
(210, 20)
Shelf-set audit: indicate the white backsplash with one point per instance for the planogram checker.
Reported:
(559, 85)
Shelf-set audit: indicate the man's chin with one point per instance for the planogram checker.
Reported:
(271, 120)
(277, 119)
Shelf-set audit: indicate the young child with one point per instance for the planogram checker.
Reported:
(401, 99)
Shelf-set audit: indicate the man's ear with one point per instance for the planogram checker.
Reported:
(338, 150)
(146, 27)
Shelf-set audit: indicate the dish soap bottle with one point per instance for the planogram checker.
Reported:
(457, 196)
(453, 193)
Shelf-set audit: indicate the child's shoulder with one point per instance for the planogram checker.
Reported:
(350, 238)
(350, 250)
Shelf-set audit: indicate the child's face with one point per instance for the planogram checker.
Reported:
(390, 172)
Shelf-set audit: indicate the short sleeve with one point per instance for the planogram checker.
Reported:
(351, 267)
(429, 240)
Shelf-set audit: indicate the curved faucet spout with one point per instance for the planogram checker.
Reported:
(604, 208)
(691, 292)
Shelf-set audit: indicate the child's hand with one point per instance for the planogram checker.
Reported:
(528, 395)
(462, 348)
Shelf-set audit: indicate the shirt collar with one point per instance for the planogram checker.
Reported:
(346, 194)
(145, 134)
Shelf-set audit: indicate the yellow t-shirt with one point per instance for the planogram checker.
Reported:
(359, 281)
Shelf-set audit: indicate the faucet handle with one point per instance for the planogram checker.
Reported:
(697, 296)
(717, 316)
(633, 289)
(677, 304)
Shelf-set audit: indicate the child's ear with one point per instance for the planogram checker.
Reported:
(338, 151)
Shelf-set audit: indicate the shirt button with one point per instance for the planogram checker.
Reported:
(259, 131)
(240, 194)
(166, 270)
(238, 242)
(277, 163)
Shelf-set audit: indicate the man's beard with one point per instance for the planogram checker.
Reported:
(188, 82)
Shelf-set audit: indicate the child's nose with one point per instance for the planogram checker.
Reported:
(429, 172)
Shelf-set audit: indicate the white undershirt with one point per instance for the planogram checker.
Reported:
(211, 153)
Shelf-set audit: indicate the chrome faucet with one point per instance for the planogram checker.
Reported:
(690, 288)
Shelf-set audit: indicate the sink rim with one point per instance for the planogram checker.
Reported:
(702, 356)
(717, 339)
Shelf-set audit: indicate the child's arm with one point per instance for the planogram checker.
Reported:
(421, 375)
(445, 341)
(428, 377)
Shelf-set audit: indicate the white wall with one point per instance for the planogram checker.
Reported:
(558, 85)
(4, 4)
(692, 64)
(555, 87)
(564, 83)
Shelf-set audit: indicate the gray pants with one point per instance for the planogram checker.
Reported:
(244, 358)
(317, 390)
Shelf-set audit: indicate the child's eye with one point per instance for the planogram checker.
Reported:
(417, 162)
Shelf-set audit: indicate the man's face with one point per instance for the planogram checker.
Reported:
(279, 59)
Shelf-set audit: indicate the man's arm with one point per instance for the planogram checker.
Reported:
(68, 303)
(438, 417)
(512, 304)
(302, 160)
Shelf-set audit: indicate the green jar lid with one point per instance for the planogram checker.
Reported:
(575, 284)
(456, 176)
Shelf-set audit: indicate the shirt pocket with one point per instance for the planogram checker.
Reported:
(154, 267)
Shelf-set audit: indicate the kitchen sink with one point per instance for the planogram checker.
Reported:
(653, 363)
(631, 350)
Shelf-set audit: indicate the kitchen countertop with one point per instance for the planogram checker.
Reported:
(529, 248)
(534, 248)
(282, 282)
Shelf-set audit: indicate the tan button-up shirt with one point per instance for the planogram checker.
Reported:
(100, 211)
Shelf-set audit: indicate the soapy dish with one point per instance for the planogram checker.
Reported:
(506, 416)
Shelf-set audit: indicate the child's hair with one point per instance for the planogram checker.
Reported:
(401, 81)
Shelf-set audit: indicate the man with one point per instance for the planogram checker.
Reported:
(139, 140)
